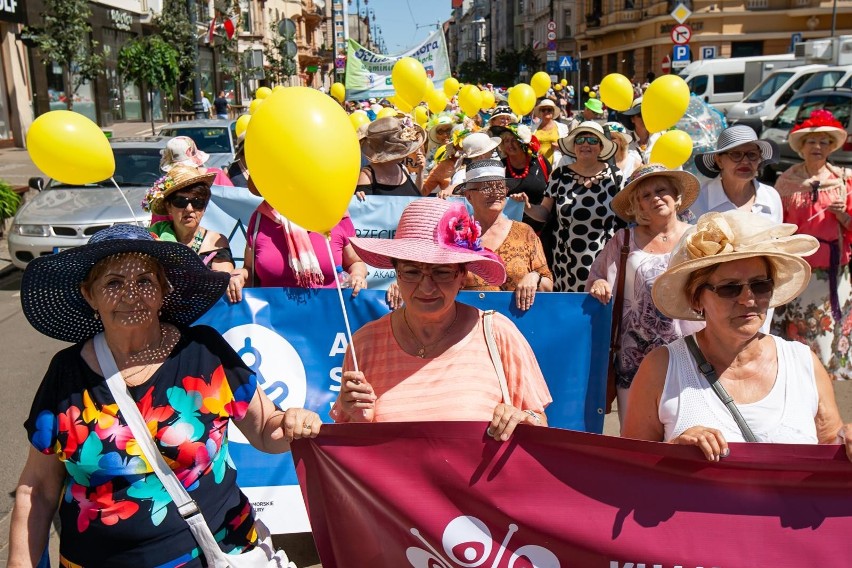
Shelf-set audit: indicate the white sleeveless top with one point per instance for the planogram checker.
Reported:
(784, 416)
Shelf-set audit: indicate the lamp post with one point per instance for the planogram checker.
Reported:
(197, 105)
(358, 9)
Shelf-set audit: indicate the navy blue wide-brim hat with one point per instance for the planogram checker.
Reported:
(54, 305)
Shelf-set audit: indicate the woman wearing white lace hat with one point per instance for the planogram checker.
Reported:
(729, 270)
(579, 196)
(549, 131)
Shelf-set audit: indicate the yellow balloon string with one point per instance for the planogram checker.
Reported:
(342, 303)
(121, 193)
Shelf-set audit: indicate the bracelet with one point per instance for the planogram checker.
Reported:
(534, 415)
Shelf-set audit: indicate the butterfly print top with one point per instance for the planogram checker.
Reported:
(114, 509)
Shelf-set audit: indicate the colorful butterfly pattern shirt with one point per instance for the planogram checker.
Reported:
(114, 510)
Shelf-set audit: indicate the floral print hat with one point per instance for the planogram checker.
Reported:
(734, 235)
(434, 231)
(178, 177)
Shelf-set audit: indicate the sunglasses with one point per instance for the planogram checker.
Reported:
(759, 288)
(180, 202)
(414, 275)
(590, 140)
(545, 109)
(737, 155)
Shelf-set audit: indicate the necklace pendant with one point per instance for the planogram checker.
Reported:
(665, 239)
(421, 352)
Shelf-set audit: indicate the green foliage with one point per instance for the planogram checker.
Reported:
(150, 60)
(9, 200)
(506, 69)
(63, 38)
(231, 61)
(278, 65)
(176, 30)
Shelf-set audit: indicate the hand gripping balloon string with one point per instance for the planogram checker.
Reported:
(121, 193)
(342, 304)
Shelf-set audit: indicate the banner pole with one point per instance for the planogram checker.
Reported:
(342, 303)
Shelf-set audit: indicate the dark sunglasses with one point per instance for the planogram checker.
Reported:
(730, 291)
(180, 202)
(545, 109)
(590, 140)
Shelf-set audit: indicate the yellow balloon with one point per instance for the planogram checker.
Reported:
(409, 80)
(338, 92)
(593, 95)
(564, 82)
(586, 89)
(664, 102)
(387, 111)
(451, 87)
(262, 92)
(522, 99)
(672, 149)
(470, 99)
(557, 87)
(241, 124)
(358, 119)
(401, 103)
(421, 115)
(283, 143)
(437, 101)
(254, 105)
(487, 100)
(617, 92)
(278, 88)
(70, 148)
(540, 83)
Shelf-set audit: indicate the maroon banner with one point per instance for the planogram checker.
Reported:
(443, 495)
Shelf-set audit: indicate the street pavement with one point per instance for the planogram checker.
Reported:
(27, 353)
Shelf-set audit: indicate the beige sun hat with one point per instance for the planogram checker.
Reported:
(686, 183)
(728, 236)
(549, 104)
(479, 144)
(178, 178)
(608, 147)
(820, 121)
(388, 139)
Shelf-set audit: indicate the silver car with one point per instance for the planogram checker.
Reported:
(217, 137)
(63, 216)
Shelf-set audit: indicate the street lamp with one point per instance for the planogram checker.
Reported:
(358, 9)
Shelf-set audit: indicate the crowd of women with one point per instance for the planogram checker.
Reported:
(694, 272)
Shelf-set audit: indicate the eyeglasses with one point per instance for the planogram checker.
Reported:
(180, 202)
(738, 155)
(731, 291)
(490, 188)
(413, 275)
(590, 140)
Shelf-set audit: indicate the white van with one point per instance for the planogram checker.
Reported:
(840, 76)
(720, 82)
(774, 92)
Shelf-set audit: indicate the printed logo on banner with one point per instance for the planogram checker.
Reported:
(279, 369)
(467, 541)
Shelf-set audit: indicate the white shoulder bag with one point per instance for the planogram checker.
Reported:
(262, 555)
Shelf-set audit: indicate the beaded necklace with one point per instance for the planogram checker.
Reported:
(524, 173)
(197, 240)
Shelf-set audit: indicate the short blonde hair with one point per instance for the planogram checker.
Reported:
(633, 208)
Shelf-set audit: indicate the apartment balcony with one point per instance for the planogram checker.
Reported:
(593, 20)
(621, 17)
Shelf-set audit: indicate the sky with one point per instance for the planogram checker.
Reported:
(399, 20)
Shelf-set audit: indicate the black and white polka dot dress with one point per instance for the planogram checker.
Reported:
(585, 222)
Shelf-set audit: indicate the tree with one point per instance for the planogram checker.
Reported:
(64, 39)
(474, 72)
(231, 60)
(176, 30)
(152, 62)
(279, 65)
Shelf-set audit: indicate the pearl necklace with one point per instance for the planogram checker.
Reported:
(421, 351)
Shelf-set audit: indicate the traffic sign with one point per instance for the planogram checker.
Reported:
(551, 55)
(566, 63)
(551, 45)
(708, 52)
(681, 13)
(551, 26)
(681, 34)
(794, 39)
(551, 36)
(666, 65)
(552, 67)
(680, 56)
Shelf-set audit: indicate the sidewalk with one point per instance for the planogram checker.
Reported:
(16, 168)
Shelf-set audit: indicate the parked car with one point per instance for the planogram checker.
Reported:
(837, 100)
(770, 95)
(217, 137)
(62, 216)
(721, 82)
(829, 77)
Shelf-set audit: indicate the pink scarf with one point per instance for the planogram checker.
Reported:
(302, 258)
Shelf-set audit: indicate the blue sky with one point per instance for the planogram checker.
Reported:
(398, 20)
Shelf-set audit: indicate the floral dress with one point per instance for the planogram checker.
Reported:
(821, 316)
(585, 222)
(114, 510)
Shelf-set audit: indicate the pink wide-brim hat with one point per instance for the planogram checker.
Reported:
(425, 234)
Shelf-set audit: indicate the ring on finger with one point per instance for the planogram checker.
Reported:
(306, 426)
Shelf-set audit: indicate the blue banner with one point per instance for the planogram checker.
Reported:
(295, 340)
